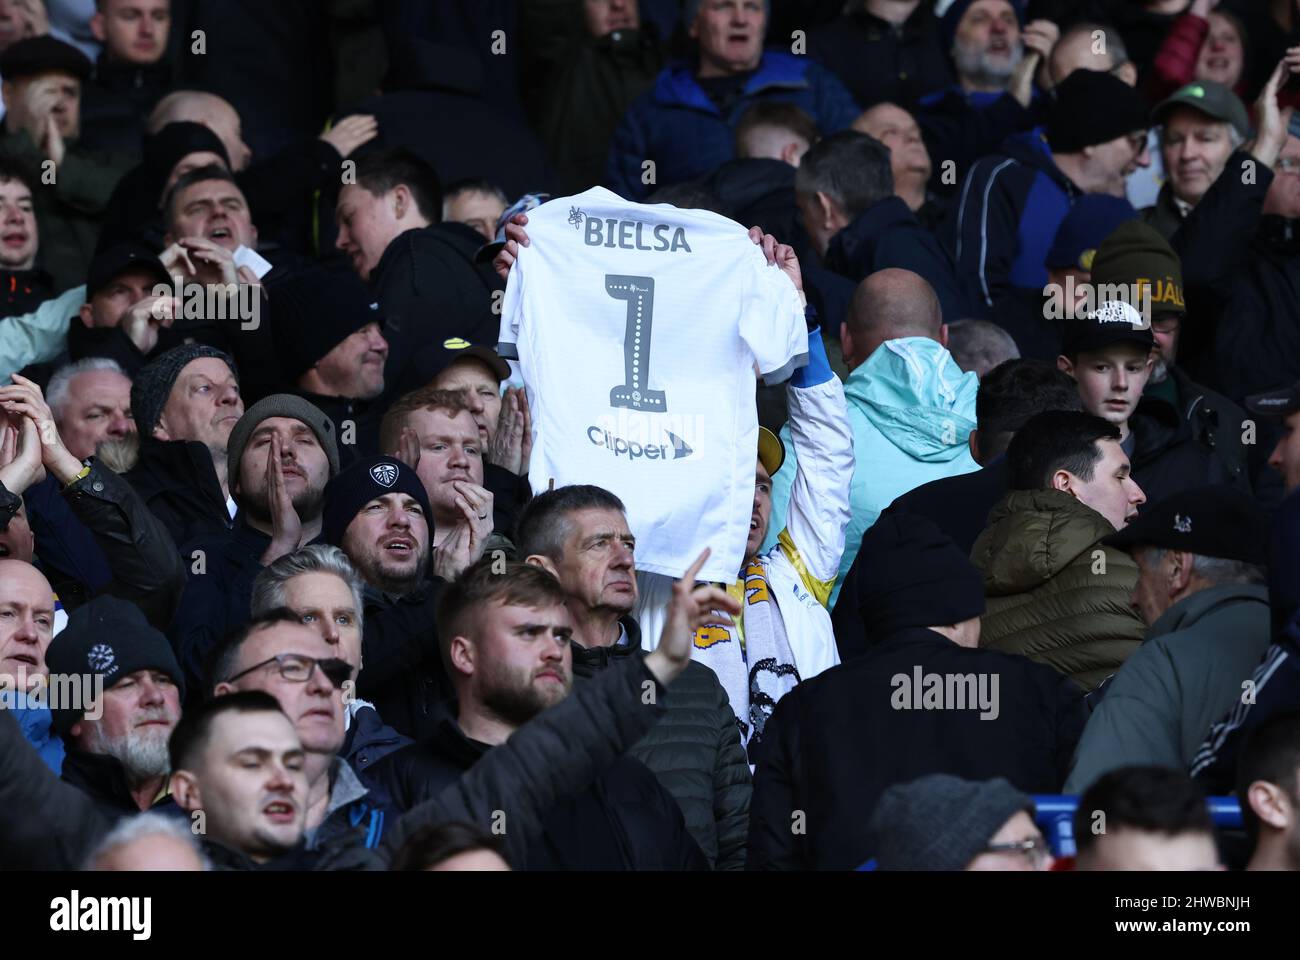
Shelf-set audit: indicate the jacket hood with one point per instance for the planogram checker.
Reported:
(1187, 612)
(914, 393)
(1032, 536)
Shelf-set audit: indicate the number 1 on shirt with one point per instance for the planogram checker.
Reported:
(634, 392)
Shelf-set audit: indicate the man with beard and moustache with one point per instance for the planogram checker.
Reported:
(377, 511)
(280, 655)
(117, 742)
(1183, 435)
(994, 55)
(507, 644)
(280, 456)
(441, 441)
(580, 535)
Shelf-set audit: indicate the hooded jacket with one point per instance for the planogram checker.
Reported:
(837, 741)
(911, 410)
(1187, 674)
(694, 751)
(887, 234)
(681, 130)
(1005, 220)
(1055, 593)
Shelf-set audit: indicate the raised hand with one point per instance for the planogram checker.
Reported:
(286, 525)
(24, 399)
(516, 237)
(351, 132)
(512, 444)
(690, 607)
(465, 544)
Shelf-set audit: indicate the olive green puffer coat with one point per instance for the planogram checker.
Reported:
(1055, 593)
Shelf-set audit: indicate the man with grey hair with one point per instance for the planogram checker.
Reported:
(978, 346)
(1201, 592)
(151, 841)
(91, 402)
(845, 191)
(1201, 125)
(319, 584)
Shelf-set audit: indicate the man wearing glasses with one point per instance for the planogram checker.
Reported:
(942, 822)
(280, 655)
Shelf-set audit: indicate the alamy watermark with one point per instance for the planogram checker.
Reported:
(57, 691)
(946, 691)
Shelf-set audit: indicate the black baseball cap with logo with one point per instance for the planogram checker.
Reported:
(1115, 321)
(1212, 99)
(1276, 403)
(116, 260)
(1212, 521)
(437, 357)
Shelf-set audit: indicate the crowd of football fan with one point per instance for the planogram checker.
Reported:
(264, 480)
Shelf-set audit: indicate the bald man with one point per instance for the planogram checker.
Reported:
(909, 404)
(26, 629)
(213, 112)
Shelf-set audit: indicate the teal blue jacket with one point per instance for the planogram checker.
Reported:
(911, 410)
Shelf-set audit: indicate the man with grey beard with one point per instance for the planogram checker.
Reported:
(116, 690)
(1180, 435)
(995, 55)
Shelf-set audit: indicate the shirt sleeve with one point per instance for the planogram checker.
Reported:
(512, 308)
(38, 336)
(772, 321)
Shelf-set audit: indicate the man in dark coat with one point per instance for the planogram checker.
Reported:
(845, 191)
(884, 51)
(185, 403)
(422, 272)
(695, 751)
(130, 76)
(117, 743)
(281, 454)
(924, 700)
(43, 78)
(506, 641)
(585, 65)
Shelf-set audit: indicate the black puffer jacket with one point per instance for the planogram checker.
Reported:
(695, 752)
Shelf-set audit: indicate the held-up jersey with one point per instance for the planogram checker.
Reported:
(637, 329)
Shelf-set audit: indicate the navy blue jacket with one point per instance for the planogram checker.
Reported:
(677, 126)
(1005, 220)
(963, 127)
(887, 234)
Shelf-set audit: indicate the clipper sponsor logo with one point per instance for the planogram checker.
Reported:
(74, 913)
(634, 235)
(946, 691)
(647, 436)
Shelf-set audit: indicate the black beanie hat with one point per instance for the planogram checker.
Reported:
(316, 309)
(153, 384)
(912, 575)
(1091, 108)
(172, 144)
(941, 822)
(362, 482)
(110, 637)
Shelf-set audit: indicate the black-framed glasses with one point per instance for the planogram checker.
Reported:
(1033, 849)
(298, 668)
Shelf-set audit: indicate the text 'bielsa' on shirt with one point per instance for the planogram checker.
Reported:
(637, 328)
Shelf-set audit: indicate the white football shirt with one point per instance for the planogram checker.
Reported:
(638, 328)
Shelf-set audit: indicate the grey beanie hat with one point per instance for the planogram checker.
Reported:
(153, 384)
(281, 405)
(941, 822)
